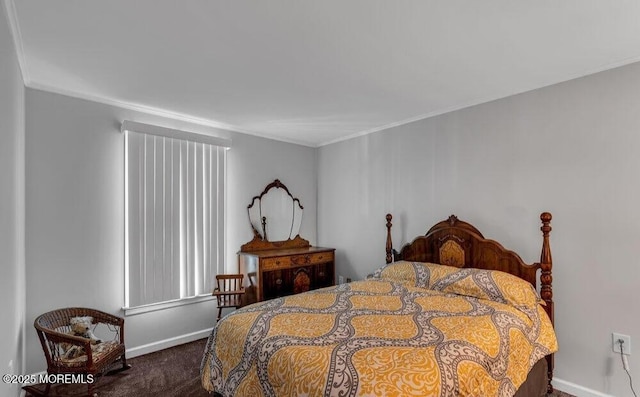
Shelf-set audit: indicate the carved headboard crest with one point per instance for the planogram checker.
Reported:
(452, 220)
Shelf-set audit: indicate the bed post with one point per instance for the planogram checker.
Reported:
(389, 243)
(546, 263)
(546, 279)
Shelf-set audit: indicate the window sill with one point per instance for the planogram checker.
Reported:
(132, 311)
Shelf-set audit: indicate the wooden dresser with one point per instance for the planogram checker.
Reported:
(272, 273)
(278, 262)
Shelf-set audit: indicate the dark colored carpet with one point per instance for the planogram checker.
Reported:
(172, 372)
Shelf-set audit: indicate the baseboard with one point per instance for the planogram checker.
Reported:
(167, 343)
(576, 390)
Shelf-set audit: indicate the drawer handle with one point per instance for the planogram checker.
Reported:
(279, 281)
(321, 274)
(277, 262)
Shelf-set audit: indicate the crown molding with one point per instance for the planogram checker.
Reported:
(162, 113)
(16, 35)
(486, 99)
(134, 106)
(158, 112)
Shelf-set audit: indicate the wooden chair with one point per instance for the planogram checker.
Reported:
(229, 291)
(58, 341)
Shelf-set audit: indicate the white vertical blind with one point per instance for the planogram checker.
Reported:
(175, 217)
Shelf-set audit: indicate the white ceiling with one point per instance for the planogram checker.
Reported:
(315, 72)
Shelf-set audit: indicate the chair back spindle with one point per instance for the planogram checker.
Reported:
(229, 291)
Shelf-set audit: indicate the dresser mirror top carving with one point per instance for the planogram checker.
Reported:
(277, 261)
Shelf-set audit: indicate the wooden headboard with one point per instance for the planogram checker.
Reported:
(453, 242)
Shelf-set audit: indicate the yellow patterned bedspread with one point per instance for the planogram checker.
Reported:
(379, 337)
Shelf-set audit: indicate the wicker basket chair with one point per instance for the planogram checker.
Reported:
(55, 335)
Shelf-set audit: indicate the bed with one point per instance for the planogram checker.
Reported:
(449, 314)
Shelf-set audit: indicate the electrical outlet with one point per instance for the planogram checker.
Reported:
(340, 280)
(626, 346)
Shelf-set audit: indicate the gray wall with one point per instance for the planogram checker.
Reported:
(75, 211)
(572, 149)
(11, 210)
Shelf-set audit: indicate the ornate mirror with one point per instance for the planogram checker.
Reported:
(275, 215)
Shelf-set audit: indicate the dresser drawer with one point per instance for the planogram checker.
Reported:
(311, 259)
(276, 263)
(284, 262)
(321, 257)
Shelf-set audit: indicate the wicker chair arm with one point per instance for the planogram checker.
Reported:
(60, 337)
(98, 315)
(102, 317)
(61, 316)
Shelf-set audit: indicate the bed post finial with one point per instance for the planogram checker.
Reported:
(546, 279)
(546, 263)
(389, 243)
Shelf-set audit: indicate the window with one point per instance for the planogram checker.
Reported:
(175, 214)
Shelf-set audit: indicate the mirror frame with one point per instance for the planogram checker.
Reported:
(259, 243)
